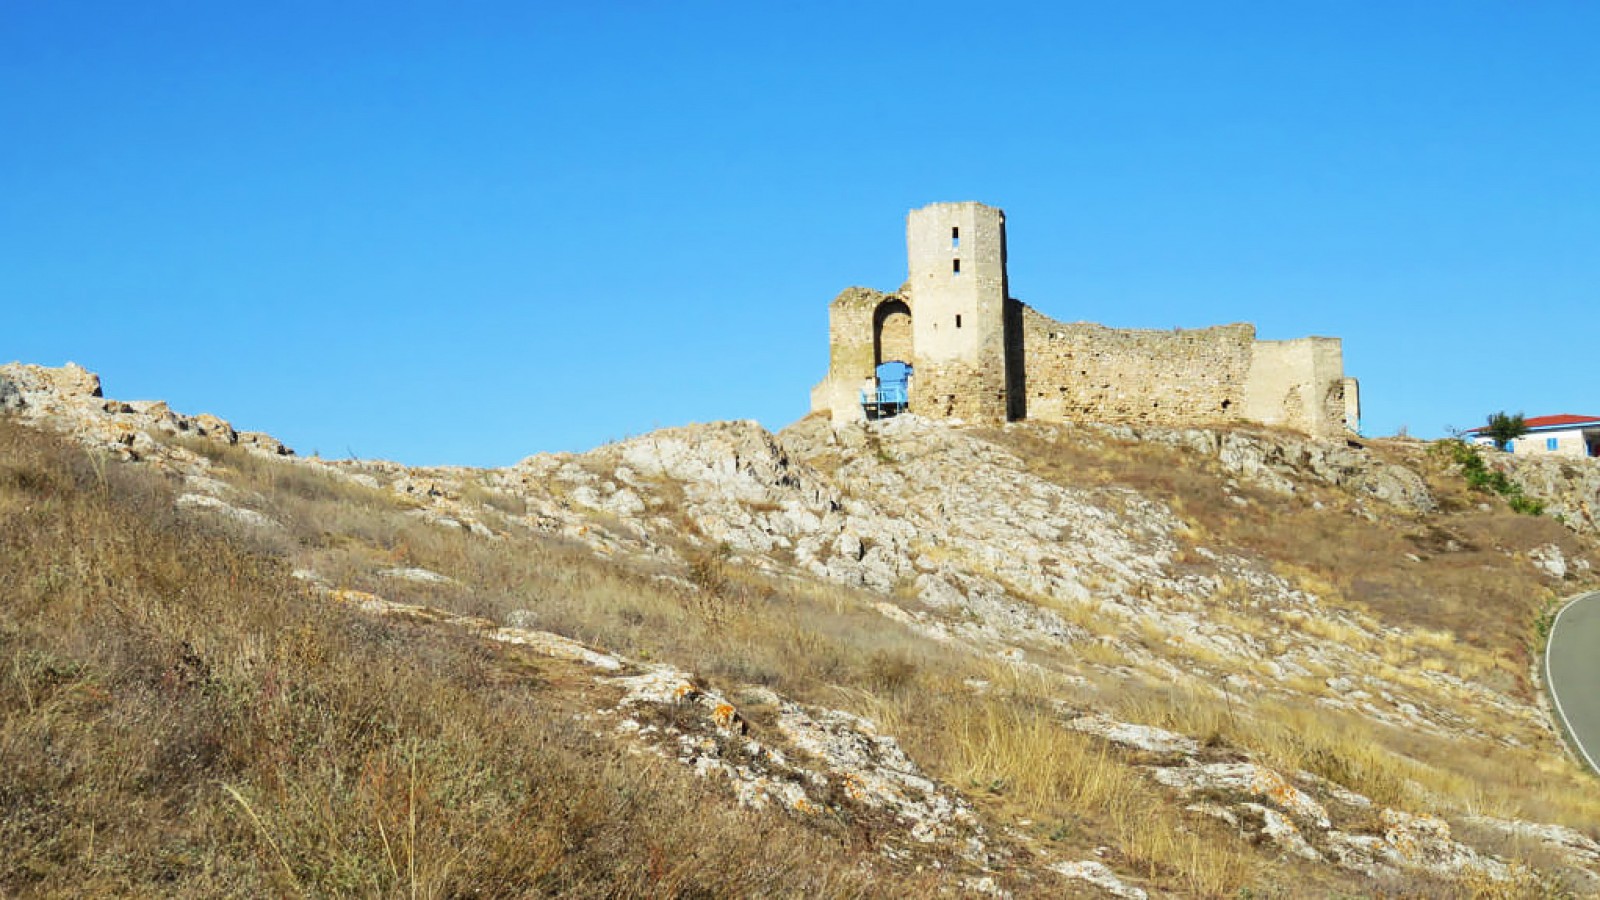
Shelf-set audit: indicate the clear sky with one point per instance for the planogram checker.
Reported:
(466, 232)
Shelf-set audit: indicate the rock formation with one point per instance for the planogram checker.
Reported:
(957, 538)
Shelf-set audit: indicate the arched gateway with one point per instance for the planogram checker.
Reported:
(891, 333)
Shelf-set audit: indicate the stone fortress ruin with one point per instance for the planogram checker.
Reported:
(953, 344)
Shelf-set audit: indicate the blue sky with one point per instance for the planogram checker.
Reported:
(467, 232)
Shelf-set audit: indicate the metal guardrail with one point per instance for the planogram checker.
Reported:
(888, 400)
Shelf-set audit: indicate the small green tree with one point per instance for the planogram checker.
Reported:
(1503, 428)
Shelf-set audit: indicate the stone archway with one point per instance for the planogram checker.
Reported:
(891, 333)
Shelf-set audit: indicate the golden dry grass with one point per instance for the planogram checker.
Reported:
(352, 774)
(338, 755)
(1453, 587)
(180, 719)
(1345, 558)
(1008, 749)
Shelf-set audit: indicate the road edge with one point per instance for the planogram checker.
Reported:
(1550, 686)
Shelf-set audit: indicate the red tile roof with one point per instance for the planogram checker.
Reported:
(1551, 422)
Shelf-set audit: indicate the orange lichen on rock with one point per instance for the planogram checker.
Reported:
(354, 597)
(1414, 835)
(1274, 787)
(853, 787)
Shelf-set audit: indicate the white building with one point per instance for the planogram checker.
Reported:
(1562, 435)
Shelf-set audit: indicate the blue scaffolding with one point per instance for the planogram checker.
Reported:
(891, 395)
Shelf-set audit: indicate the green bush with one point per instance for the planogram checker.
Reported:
(1480, 477)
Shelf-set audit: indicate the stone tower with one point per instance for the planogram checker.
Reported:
(957, 262)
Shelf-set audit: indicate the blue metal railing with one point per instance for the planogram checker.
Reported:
(887, 393)
(889, 399)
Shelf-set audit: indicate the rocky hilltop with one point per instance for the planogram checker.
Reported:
(1032, 659)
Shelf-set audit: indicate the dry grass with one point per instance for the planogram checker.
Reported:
(1362, 562)
(179, 719)
(1008, 749)
(481, 493)
(325, 768)
(1388, 765)
(823, 644)
(1453, 589)
(320, 752)
(1344, 558)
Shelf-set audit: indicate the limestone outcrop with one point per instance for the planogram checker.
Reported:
(69, 399)
(952, 537)
(1282, 461)
(1568, 488)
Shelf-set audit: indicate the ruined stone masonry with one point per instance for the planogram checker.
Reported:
(979, 355)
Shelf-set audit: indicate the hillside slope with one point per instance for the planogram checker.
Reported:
(1028, 660)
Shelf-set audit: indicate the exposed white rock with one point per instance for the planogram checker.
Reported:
(661, 685)
(984, 887)
(994, 552)
(556, 646)
(315, 581)
(1277, 462)
(1336, 791)
(1417, 842)
(1282, 831)
(1100, 875)
(1579, 851)
(870, 769)
(1425, 842)
(874, 771)
(1248, 779)
(419, 575)
(69, 399)
(222, 507)
(1262, 822)
(1569, 488)
(198, 483)
(1139, 737)
(1364, 853)
(10, 398)
(1550, 560)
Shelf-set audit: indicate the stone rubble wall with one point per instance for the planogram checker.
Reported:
(1078, 371)
(851, 352)
(957, 390)
(1300, 384)
(893, 323)
(1084, 372)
